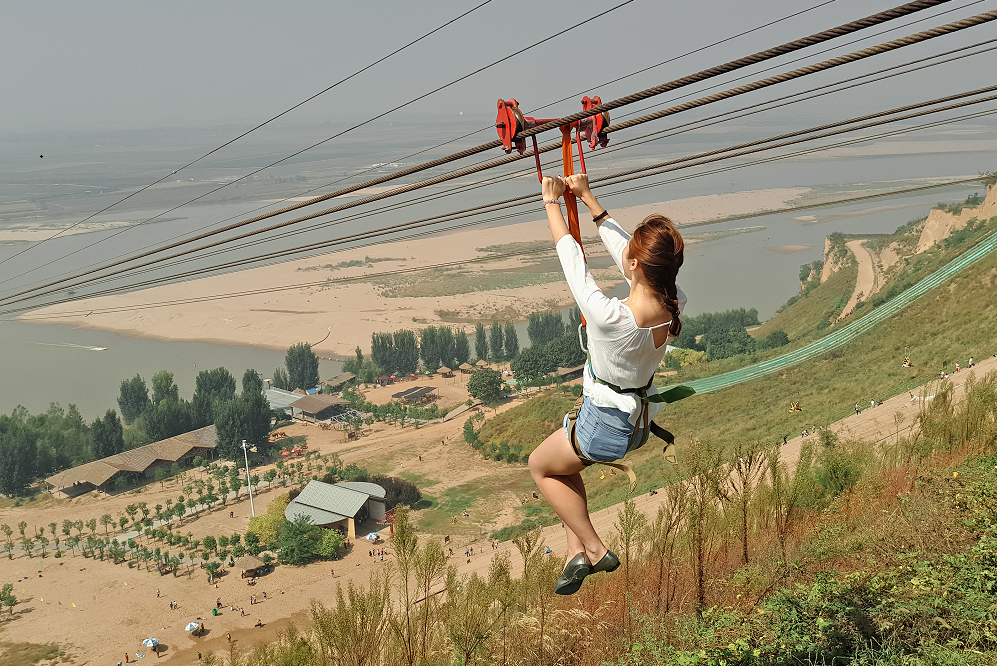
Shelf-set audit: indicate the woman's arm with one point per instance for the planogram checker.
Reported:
(552, 189)
(579, 184)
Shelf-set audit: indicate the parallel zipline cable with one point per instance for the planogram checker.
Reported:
(625, 144)
(251, 130)
(653, 169)
(903, 10)
(383, 114)
(828, 64)
(411, 155)
(396, 229)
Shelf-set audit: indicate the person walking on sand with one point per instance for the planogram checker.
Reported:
(627, 340)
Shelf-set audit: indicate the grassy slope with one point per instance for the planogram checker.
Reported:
(950, 324)
(528, 424)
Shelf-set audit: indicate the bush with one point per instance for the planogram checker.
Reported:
(397, 491)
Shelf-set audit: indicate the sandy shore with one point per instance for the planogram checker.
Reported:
(278, 319)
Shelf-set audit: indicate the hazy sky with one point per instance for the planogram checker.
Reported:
(133, 65)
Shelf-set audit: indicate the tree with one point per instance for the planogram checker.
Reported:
(485, 385)
(495, 341)
(17, 457)
(447, 346)
(169, 418)
(406, 354)
(462, 347)
(511, 340)
(298, 541)
(210, 388)
(480, 341)
(106, 521)
(302, 366)
(534, 363)
(108, 435)
(257, 413)
(544, 327)
(133, 398)
(269, 476)
(775, 339)
(429, 347)
(382, 350)
(281, 379)
(163, 387)
(724, 343)
(330, 544)
(7, 597)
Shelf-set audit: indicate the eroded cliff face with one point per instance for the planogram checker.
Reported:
(941, 223)
(834, 258)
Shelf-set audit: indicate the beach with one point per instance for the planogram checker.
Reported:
(304, 299)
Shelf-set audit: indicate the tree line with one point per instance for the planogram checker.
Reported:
(33, 446)
(724, 334)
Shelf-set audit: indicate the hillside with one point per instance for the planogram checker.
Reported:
(948, 325)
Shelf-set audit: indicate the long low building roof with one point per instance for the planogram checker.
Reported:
(313, 404)
(138, 459)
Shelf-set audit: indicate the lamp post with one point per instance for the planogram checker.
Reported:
(249, 483)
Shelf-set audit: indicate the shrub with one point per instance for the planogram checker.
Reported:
(397, 491)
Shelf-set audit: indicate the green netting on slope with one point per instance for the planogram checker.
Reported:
(846, 334)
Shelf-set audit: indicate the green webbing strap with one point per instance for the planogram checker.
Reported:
(674, 394)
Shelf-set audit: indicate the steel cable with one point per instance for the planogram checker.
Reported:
(827, 64)
(875, 19)
(432, 221)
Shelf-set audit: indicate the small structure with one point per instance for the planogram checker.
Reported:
(567, 374)
(339, 381)
(402, 395)
(300, 391)
(385, 380)
(280, 399)
(466, 368)
(312, 407)
(250, 566)
(482, 363)
(445, 371)
(341, 506)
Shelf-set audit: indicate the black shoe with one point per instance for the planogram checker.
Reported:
(609, 562)
(574, 573)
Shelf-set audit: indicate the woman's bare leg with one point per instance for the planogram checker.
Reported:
(555, 469)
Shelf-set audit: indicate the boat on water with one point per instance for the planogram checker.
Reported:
(98, 348)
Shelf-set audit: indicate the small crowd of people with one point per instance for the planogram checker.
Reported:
(378, 552)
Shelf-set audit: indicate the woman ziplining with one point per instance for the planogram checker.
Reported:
(626, 342)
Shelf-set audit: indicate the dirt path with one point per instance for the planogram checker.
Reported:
(866, 281)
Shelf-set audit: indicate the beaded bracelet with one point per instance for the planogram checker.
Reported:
(547, 202)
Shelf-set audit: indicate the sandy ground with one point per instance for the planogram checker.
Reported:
(865, 285)
(101, 610)
(355, 310)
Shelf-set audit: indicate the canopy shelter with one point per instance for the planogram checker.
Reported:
(445, 371)
(567, 374)
(250, 565)
(339, 381)
(466, 368)
(402, 395)
(482, 363)
(317, 407)
(424, 393)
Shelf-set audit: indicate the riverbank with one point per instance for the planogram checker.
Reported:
(314, 299)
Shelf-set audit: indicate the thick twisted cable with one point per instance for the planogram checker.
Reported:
(795, 45)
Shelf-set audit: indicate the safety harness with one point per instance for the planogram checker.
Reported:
(642, 428)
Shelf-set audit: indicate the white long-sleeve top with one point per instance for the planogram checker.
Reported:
(622, 353)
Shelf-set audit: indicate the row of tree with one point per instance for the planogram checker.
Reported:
(724, 334)
(438, 346)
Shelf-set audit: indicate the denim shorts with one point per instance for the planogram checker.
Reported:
(602, 433)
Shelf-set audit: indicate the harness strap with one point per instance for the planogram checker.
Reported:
(649, 427)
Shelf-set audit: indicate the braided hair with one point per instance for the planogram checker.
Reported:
(659, 249)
